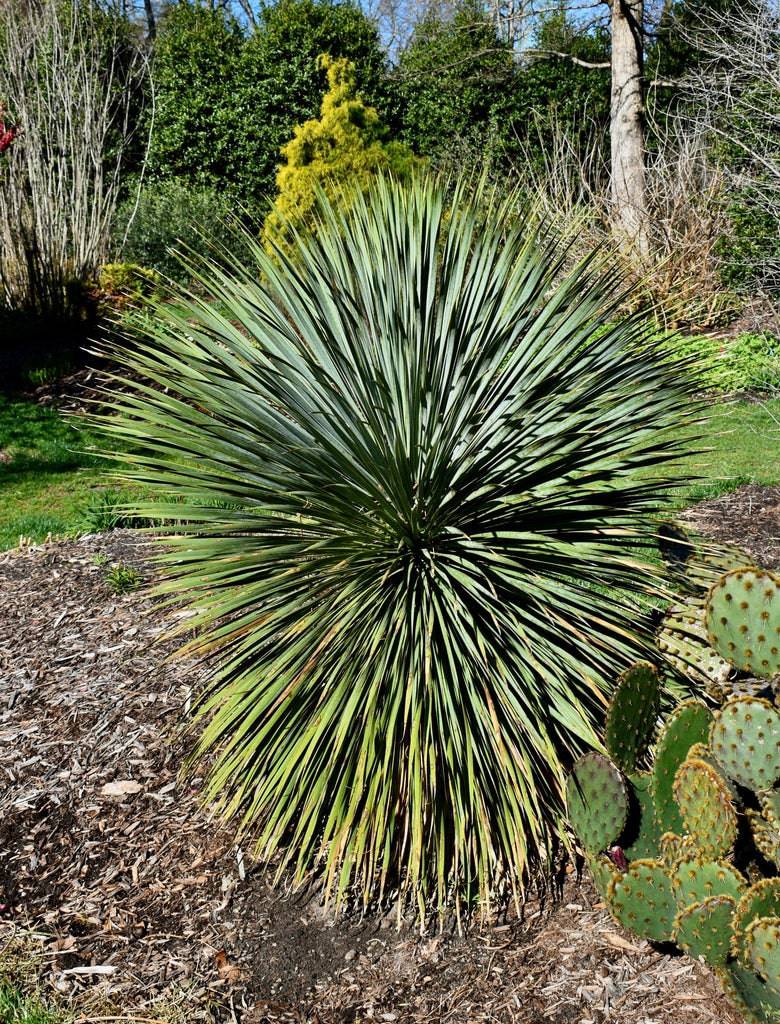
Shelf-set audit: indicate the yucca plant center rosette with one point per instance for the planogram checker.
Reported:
(411, 473)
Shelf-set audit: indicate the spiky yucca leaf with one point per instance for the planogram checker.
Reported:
(405, 503)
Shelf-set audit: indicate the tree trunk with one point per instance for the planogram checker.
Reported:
(629, 192)
(151, 24)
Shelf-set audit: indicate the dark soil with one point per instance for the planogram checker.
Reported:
(125, 897)
(748, 517)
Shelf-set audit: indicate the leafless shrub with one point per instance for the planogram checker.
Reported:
(687, 197)
(569, 185)
(734, 92)
(733, 98)
(68, 79)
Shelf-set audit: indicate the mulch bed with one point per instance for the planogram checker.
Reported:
(78, 392)
(143, 906)
(748, 517)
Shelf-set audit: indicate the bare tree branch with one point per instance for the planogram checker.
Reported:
(568, 56)
(733, 96)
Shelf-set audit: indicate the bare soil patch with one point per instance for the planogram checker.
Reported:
(748, 517)
(146, 907)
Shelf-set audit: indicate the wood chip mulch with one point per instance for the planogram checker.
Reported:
(119, 892)
(748, 517)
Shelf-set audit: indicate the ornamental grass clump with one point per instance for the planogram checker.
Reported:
(412, 471)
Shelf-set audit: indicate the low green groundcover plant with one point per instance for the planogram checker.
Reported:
(748, 362)
(422, 560)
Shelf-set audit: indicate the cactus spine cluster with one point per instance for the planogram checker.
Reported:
(687, 848)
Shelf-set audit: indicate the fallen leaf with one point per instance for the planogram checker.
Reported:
(612, 939)
(230, 972)
(97, 969)
(122, 788)
(63, 945)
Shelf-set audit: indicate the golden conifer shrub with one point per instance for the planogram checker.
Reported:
(339, 152)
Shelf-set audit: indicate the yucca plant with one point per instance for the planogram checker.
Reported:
(412, 472)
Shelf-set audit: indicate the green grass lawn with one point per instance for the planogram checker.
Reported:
(743, 440)
(49, 480)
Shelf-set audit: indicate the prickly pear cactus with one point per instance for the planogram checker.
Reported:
(766, 836)
(603, 872)
(674, 849)
(770, 804)
(704, 929)
(695, 879)
(689, 723)
(631, 716)
(641, 899)
(706, 807)
(766, 826)
(642, 838)
(758, 1003)
(597, 802)
(760, 900)
(743, 620)
(745, 738)
(682, 639)
(763, 944)
(689, 850)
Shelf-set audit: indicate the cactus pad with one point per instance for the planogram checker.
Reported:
(643, 836)
(675, 849)
(757, 1001)
(672, 848)
(763, 943)
(682, 639)
(597, 802)
(746, 688)
(760, 900)
(603, 872)
(706, 807)
(770, 804)
(743, 620)
(766, 836)
(694, 880)
(641, 900)
(688, 724)
(703, 753)
(631, 715)
(745, 738)
(704, 929)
